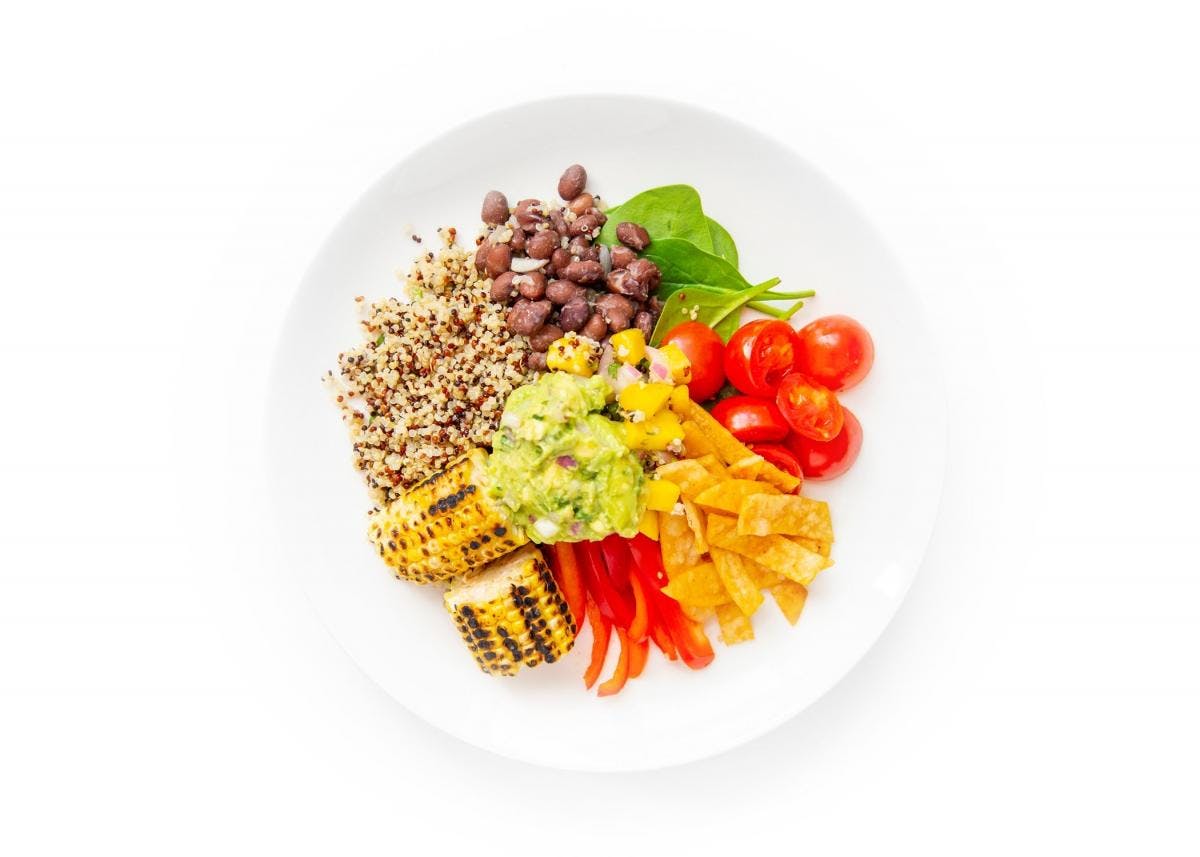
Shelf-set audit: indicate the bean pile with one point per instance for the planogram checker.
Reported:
(545, 266)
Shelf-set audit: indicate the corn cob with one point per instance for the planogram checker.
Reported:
(445, 525)
(511, 612)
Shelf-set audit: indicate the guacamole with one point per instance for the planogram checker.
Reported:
(561, 468)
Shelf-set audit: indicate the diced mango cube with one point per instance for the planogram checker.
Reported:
(629, 346)
(678, 363)
(660, 431)
(646, 398)
(575, 354)
(679, 400)
(648, 526)
(661, 495)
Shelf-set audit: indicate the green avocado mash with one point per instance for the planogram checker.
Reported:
(562, 469)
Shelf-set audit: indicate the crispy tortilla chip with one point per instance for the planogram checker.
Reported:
(698, 586)
(728, 448)
(727, 496)
(748, 467)
(696, 442)
(790, 597)
(719, 527)
(690, 476)
(823, 548)
(737, 580)
(695, 519)
(699, 614)
(714, 466)
(677, 542)
(762, 576)
(735, 625)
(773, 552)
(781, 479)
(785, 515)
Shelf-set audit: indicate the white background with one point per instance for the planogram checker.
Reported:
(166, 173)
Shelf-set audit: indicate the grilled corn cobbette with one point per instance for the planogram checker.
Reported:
(511, 612)
(445, 525)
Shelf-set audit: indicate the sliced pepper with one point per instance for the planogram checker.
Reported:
(621, 673)
(612, 605)
(617, 562)
(601, 631)
(639, 653)
(641, 615)
(566, 573)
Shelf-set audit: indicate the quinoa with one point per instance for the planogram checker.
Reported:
(430, 380)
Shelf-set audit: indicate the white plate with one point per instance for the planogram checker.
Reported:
(788, 220)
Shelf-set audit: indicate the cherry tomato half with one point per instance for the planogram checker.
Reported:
(759, 355)
(705, 349)
(835, 351)
(750, 420)
(811, 410)
(826, 459)
(781, 457)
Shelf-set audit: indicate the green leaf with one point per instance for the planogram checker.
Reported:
(720, 309)
(722, 241)
(682, 262)
(672, 211)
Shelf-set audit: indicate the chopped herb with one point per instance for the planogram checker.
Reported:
(613, 369)
(613, 411)
(643, 365)
(382, 336)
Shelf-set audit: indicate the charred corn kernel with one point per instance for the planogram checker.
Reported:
(679, 400)
(575, 354)
(445, 525)
(661, 495)
(510, 612)
(629, 346)
(645, 398)
(661, 431)
(648, 526)
(678, 363)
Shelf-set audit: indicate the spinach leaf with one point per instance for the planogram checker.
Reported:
(672, 211)
(682, 262)
(720, 309)
(722, 241)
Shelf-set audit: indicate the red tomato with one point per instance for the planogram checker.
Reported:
(781, 457)
(750, 420)
(826, 459)
(835, 351)
(704, 348)
(810, 409)
(759, 355)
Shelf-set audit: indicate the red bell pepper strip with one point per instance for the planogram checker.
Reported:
(641, 614)
(601, 631)
(689, 636)
(617, 560)
(621, 673)
(662, 639)
(566, 572)
(647, 555)
(638, 653)
(610, 602)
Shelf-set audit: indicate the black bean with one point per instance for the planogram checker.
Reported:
(517, 242)
(616, 310)
(581, 204)
(541, 245)
(596, 327)
(622, 282)
(559, 259)
(581, 248)
(644, 321)
(529, 213)
(573, 181)
(621, 256)
(498, 260)
(646, 272)
(561, 291)
(481, 256)
(531, 285)
(527, 316)
(536, 361)
(632, 235)
(502, 287)
(558, 221)
(495, 208)
(585, 225)
(574, 313)
(583, 271)
(542, 340)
